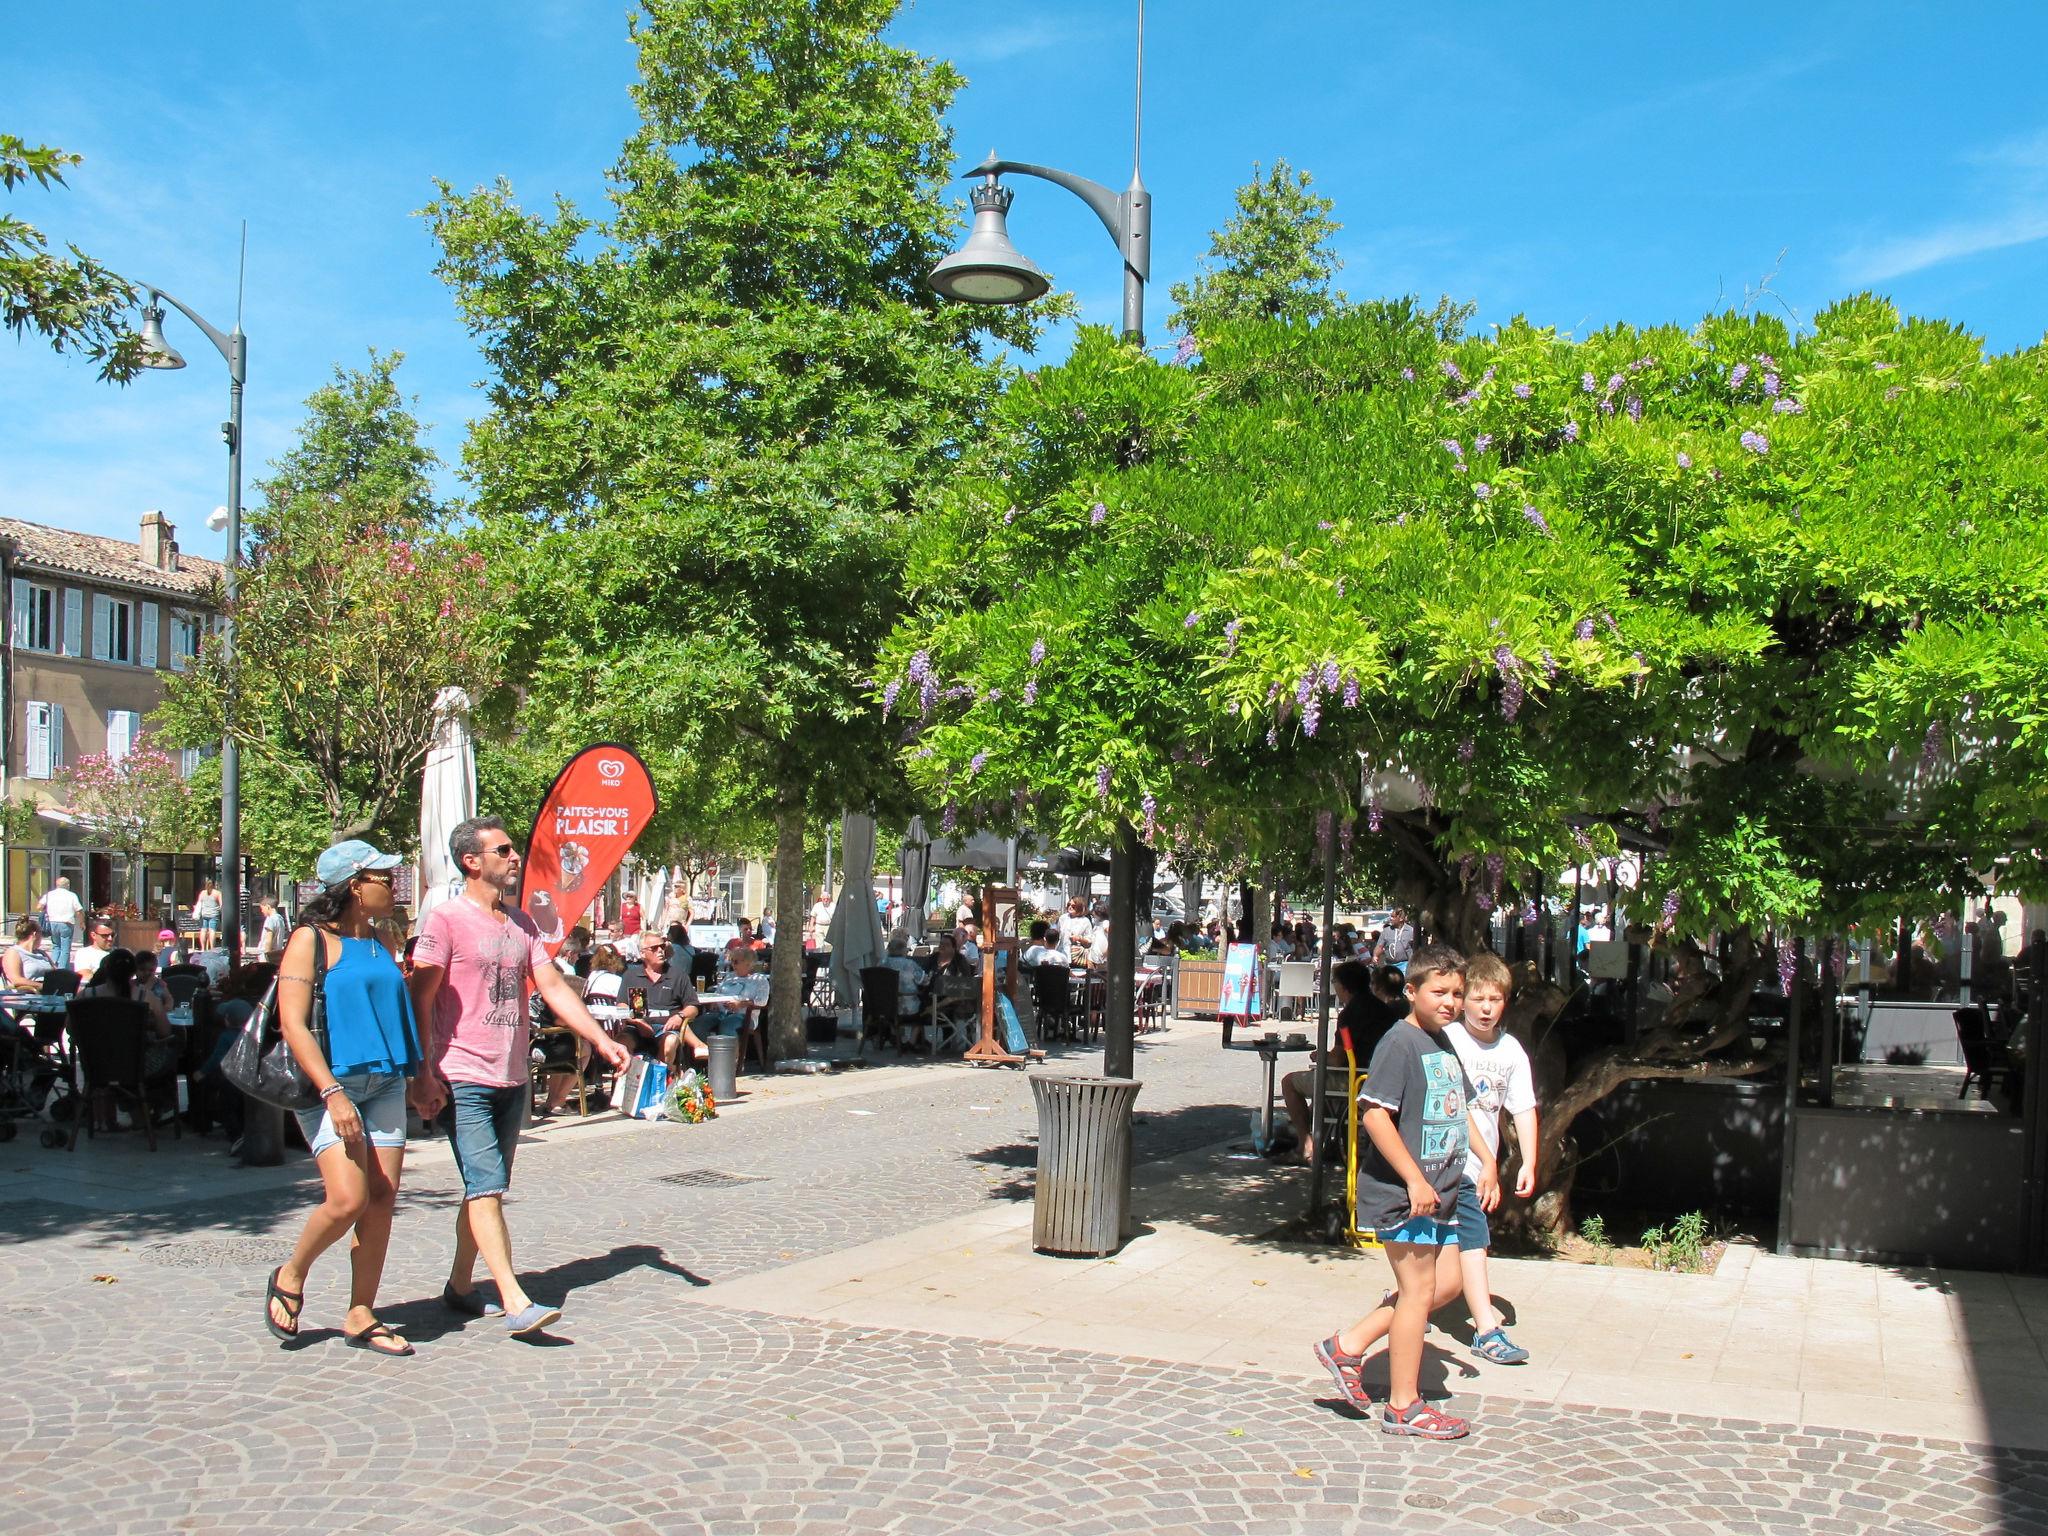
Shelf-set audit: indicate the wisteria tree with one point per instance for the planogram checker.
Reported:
(358, 603)
(1761, 604)
(133, 804)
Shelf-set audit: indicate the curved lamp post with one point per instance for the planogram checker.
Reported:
(989, 269)
(234, 350)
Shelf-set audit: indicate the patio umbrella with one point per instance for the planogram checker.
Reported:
(915, 862)
(856, 932)
(653, 894)
(447, 798)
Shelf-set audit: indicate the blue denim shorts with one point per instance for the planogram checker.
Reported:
(723, 1021)
(1424, 1230)
(1470, 1219)
(379, 1097)
(483, 1126)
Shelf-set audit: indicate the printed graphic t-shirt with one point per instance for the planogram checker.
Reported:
(1415, 1077)
(1501, 1080)
(487, 961)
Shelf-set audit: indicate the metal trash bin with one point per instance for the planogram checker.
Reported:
(262, 1134)
(723, 1068)
(1082, 1201)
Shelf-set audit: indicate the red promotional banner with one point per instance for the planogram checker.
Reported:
(599, 804)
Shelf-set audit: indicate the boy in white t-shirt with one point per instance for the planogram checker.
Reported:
(1501, 1080)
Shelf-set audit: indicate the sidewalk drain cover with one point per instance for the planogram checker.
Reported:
(217, 1252)
(710, 1178)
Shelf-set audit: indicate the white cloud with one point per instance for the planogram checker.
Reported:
(2012, 210)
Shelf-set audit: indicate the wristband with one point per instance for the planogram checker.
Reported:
(330, 1089)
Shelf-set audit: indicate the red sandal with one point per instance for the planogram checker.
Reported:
(1421, 1420)
(1344, 1370)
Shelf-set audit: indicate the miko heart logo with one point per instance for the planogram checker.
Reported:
(610, 769)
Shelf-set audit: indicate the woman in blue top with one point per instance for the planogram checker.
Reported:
(373, 1046)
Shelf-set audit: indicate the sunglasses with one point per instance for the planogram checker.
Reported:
(381, 876)
(501, 850)
(653, 949)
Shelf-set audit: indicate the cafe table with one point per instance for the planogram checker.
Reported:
(1271, 1048)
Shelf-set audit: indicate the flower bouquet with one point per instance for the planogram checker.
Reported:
(689, 1099)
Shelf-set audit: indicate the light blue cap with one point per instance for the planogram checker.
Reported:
(345, 860)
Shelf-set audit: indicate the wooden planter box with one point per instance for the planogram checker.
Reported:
(1201, 985)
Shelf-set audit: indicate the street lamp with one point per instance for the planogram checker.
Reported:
(234, 349)
(988, 269)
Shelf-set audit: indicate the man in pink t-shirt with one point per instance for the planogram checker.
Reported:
(475, 960)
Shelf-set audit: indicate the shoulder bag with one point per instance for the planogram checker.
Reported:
(261, 1065)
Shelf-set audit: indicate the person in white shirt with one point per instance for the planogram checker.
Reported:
(1501, 1082)
(909, 977)
(1075, 928)
(60, 907)
(86, 960)
(821, 921)
(1098, 946)
(1042, 952)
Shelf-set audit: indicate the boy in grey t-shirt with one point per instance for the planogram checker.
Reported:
(1418, 1115)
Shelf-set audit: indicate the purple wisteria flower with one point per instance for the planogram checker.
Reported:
(994, 694)
(1305, 689)
(1185, 348)
(889, 697)
(1191, 620)
(1465, 869)
(909, 735)
(1930, 748)
(1787, 407)
(1767, 360)
(1737, 374)
(1454, 448)
(1684, 459)
(1583, 630)
(1571, 431)
(1466, 749)
(1771, 385)
(1102, 782)
(1788, 966)
(1151, 809)
(920, 666)
(1374, 815)
(1345, 832)
(1634, 407)
(1496, 866)
(1536, 520)
(1451, 372)
(1756, 443)
(1031, 690)
(976, 763)
(1009, 517)
(1096, 514)
(1038, 652)
(1524, 391)
(1331, 677)
(1312, 715)
(1230, 637)
(1607, 405)
(1615, 381)
(1350, 692)
(1272, 736)
(928, 695)
(1505, 662)
(1483, 491)
(1340, 586)
(1882, 367)
(1608, 619)
(1272, 692)
(1669, 913)
(1530, 916)
(1486, 377)
(1549, 664)
(950, 820)
(1588, 382)
(1408, 374)
(1324, 525)
(1895, 391)
(1511, 695)
(1482, 442)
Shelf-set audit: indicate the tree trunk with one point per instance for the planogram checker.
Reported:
(786, 974)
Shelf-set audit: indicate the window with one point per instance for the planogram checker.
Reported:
(186, 631)
(38, 616)
(123, 726)
(113, 629)
(189, 759)
(43, 739)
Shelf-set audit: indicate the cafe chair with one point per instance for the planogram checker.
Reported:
(880, 991)
(1049, 1000)
(109, 1036)
(1297, 986)
(1986, 1060)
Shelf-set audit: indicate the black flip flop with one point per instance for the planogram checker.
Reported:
(293, 1306)
(368, 1338)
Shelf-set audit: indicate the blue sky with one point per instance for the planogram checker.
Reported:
(1581, 164)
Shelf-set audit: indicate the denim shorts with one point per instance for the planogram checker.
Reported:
(1426, 1231)
(1470, 1219)
(379, 1097)
(723, 1021)
(483, 1128)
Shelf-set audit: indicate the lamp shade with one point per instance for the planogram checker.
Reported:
(157, 352)
(988, 269)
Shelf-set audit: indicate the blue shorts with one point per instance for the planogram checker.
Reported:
(1426, 1231)
(209, 925)
(379, 1097)
(483, 1126)
(723, 1021)
(1470, 1219)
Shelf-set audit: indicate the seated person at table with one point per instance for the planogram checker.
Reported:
(967, 936)
(744, 939)
(24, 963)
(115, 977)
(1098, 947)
(909, 976)
(956, 989)
(1042, 950)
(149, 990)
(748, 985)
(654, 987)
(86, 960)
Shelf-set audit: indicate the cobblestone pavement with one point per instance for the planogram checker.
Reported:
(142, 1394)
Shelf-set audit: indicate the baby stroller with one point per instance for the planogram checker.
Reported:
(36, 1077)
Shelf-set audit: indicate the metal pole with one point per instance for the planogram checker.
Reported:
(230, 753)
(1789, 1145)
(1315, 1176)
(1119, 1022)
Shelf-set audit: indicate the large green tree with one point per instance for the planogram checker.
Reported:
(1760, 604)
(357, 604)
(1271, 260)
(714, 409)
(71, 301)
